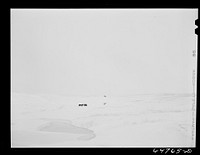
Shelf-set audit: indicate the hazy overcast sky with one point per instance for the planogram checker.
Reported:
(102, 51)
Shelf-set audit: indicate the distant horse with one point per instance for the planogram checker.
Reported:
(81, 104)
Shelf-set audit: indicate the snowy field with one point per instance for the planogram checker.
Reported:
(131, 121)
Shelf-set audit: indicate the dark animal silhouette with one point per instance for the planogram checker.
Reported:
(80, 104)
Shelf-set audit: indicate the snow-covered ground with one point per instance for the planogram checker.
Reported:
(43, 120)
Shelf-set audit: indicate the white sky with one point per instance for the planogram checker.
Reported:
(105, 51)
